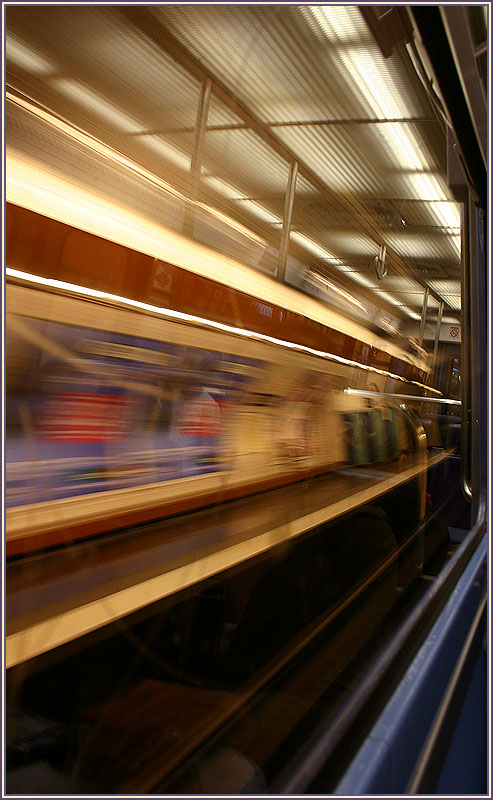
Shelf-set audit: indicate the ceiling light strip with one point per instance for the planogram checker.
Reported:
(180, 316)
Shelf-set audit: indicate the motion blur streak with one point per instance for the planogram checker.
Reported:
(113, 155)
(31, 187)
(166, 312)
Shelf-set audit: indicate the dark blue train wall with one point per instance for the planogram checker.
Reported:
(432, 735)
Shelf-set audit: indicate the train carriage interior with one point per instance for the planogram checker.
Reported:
(246, 399)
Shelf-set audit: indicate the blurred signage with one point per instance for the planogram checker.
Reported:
(450, 333)
(162, 278)
(92, 410)
(82, 417)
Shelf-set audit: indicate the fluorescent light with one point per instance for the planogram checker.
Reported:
(358, 244)
(455, 240)
(221, 187)
(398, 284)
(260, 211)
(166, 150)
(24, 57)
(330, 287)
(232, 223)
(337, 25)
(403, 146)
(356, 276)
(374, 83)
(97, 104)
(428, 187)
(414, 245)
(453, 301)
(372, 80)
(232, 193)
(447, 214)
(410, 313)
(314, 248)
(388, 297)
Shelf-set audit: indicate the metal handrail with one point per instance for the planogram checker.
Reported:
(430, 761)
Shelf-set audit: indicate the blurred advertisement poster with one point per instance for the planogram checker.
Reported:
(90, 410)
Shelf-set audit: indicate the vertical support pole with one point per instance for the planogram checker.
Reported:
(466, 362)
(196, 161)
(437, 339)
(423, 316)
(286, 224)
(477, 358)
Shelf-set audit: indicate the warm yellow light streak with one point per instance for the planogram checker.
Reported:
(260, 211)
(65, 626)
(389, 298)
(447, 213)
(31, 187)
(17, 51)
(355, 276)
(440, 400)
(222, 187)
(114, 155)
(97, 104)
(410, 313)
(315, 248)
(95, 294)
(389, 325)
(326, 284)
(428, 187)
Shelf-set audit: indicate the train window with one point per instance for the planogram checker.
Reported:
(245, 397)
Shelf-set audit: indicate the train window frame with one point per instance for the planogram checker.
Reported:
(328, 743)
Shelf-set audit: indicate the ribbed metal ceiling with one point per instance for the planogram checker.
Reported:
(289, 83)
(294, 63)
